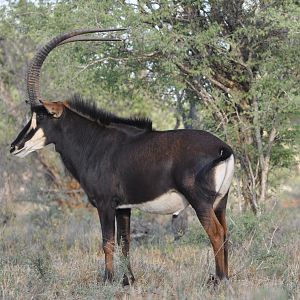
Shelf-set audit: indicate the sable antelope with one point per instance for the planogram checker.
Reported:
(124, 163)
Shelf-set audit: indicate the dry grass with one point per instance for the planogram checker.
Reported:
(54, 254)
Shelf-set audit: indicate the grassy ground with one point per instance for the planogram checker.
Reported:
(47, 253)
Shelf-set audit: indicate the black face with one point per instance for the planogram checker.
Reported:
(32, 137)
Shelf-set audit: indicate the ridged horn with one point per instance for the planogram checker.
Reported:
(33, 73)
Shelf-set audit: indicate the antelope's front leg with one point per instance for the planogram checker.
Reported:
(123, 238)
(107, 220)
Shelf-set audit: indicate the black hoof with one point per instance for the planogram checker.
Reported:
(128, 280)
(213, 280)
(107, 278)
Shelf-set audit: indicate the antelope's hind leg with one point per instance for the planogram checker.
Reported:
(215, 232)
(203, 206)
(220, 212)
(123, 238)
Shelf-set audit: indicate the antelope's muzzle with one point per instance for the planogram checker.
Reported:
(30, 139)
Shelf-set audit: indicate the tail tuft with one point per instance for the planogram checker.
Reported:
(225, 153)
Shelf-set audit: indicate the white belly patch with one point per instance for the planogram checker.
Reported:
(171, 202)
(223, 177)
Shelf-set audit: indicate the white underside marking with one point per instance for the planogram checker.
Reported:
(171, 202)
(35, 143)
(223, 177)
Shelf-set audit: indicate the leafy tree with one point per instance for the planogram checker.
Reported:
(230, 67)
(240, 59)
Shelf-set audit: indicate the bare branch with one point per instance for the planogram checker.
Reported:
(209, 101)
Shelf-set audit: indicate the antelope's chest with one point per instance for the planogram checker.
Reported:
(171, 202)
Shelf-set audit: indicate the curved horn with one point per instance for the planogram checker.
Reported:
(33, 73)
(88, 39)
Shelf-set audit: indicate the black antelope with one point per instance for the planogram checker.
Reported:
(123, 163)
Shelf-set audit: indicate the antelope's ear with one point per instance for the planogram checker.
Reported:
(54, 108)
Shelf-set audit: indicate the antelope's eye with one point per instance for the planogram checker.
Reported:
(40, 117)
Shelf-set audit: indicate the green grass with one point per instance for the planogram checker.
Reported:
(53, 254)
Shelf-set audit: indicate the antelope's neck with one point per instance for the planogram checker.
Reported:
(77, 143)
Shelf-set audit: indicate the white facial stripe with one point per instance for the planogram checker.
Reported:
(37, 142)
(171, 202)
(33, 121)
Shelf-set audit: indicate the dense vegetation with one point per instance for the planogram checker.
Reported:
(229, 67)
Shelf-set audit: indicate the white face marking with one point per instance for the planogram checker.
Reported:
(171, 202)
(35, 143)
(33, 121)
(223, 177)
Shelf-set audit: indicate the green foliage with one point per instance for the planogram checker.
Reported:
(194, 64)
(195, 236)
(103, 72)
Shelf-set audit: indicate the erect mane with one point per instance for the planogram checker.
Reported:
(90, 110)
